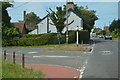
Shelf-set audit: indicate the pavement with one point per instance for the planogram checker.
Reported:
(55, 71)
(101, 62)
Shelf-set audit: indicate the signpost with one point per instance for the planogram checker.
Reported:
(77, 29)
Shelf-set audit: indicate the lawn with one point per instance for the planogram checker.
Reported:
(61, 47)
(40, 46)
(72, 47)
(10, 70)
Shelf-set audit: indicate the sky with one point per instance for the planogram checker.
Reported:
(63, 0)
(106, 11)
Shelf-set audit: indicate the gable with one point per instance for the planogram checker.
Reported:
(69, 12)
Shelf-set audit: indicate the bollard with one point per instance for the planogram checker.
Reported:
(23, 61)
(5, 55)
(14, 57)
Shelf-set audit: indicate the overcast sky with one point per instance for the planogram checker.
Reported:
(106, 11)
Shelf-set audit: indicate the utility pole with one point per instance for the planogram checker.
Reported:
(66, 23)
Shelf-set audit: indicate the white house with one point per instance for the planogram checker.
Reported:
(45, 27)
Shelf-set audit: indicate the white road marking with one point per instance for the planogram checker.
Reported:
(83, 69)
(32, 52)
(49, 56)
(106, 52)
(86, 61)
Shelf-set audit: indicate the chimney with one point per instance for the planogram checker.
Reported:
(70, 4)
(24, 14)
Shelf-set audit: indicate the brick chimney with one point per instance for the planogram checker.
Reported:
(24, 14)
(70, 4)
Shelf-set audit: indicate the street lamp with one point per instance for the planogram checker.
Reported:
(77, 30)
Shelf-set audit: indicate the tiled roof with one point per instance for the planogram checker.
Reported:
(19, 25)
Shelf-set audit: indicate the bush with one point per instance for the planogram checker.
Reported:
(84, 36)
(45, 39)
(72, 36)
(63, 39)
(114, 34)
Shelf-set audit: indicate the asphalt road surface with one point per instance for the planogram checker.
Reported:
(102, 62)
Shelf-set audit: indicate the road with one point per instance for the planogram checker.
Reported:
(102, 62)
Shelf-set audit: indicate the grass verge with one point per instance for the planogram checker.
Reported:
(11, 70)
(68, 48)
(41, 46)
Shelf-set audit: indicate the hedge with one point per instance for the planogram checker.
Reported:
(84, 36)
(45, 39)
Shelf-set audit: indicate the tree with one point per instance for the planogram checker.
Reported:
(31, 21)
(58, 19)
(96, 30)
(8, 31)
(114, 26)
(103, 32)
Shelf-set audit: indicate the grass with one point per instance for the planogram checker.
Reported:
(0, 68)
(41, 46)
(61, 47)
(11, 70)
(68, 48)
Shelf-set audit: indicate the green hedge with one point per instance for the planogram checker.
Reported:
(36, 40)
(45, 39)
(72, 36)
(84, 36)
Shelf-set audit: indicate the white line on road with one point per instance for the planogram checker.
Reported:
(83, 69)
(49, 56)
(32, 52)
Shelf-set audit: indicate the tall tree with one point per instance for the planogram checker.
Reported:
(58, 19)
(7, 29)
(115, 25)
(31, 21)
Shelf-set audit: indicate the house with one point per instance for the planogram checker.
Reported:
(44, 25)
(21, 26)
(106, 28)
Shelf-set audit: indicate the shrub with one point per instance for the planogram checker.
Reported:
(84, 36)
(72, 36)
(36, 40)
(63, 39)
(45, 39)
(114, 34)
